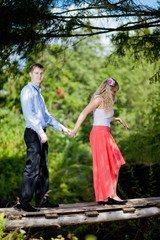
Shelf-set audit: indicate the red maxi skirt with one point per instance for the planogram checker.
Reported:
(107, 158)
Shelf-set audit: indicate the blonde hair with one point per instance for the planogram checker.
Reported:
(106, 89)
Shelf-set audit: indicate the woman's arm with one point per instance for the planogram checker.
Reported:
(95, 103)
(119, 120)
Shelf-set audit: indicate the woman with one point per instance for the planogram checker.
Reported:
(107, 158)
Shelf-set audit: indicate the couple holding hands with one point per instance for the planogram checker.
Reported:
(107, 158)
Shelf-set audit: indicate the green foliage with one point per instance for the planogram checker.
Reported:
(12, 155)
(18, 234)
(2, 225)
(143, 43)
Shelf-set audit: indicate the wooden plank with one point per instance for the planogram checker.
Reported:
(74, 219)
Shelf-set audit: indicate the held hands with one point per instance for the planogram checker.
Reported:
(123, 123)
(70, 133)
(73, 134)
(66, 130)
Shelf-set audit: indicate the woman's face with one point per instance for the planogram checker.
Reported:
(114, 90)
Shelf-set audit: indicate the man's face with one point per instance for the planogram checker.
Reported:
(37, 76)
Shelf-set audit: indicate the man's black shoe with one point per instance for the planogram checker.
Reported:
(48, 205)
(26, 207)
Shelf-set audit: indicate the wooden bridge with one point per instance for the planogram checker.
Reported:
(82, 213)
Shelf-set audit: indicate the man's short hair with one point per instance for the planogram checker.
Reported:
(33, 66)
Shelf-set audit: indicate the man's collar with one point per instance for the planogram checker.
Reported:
(36, 87)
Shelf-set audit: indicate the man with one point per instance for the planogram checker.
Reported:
(36, 176)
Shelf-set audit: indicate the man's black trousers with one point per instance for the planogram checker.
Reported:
(35, 175)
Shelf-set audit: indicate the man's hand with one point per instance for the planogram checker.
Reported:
(66, 130)
(43, 137)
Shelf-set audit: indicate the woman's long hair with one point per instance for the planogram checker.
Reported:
(106, 89)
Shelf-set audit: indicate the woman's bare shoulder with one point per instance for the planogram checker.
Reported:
(98, 97)
(97, 101)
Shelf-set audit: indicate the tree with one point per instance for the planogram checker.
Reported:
(31, 23)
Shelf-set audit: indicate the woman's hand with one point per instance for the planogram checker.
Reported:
(123, 123)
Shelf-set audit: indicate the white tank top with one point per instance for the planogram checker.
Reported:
(101, 117)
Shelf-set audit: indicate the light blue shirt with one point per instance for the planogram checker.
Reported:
(35, 111)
